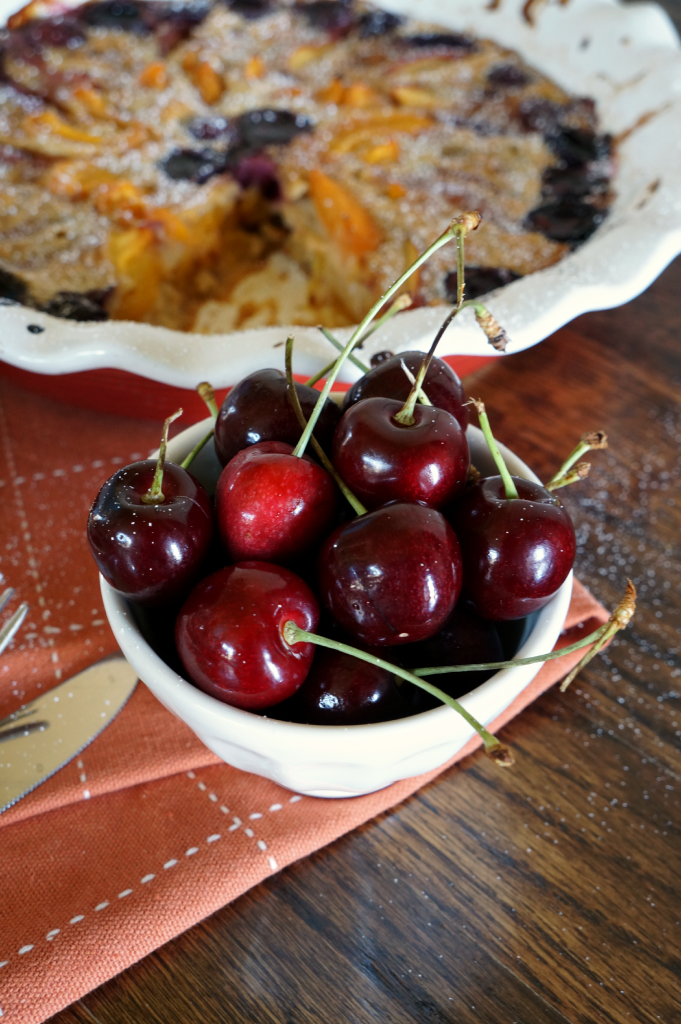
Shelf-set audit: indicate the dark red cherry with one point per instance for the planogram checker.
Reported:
(342, 690)
(381, 460)
(273, 506)
(229, 634)
(258, 409)
(388, 380)
(391, 576)
(150, 553)
(465, 639)
(516, 552)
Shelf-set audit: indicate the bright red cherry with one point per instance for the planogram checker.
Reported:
(342, 690)
(151, 553)
(383, 460)
(229, 634)
(388, 380)
(258, 408)
(273, 506)
(391, 576)
(516, 551)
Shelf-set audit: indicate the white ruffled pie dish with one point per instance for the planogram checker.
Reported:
(628, 58)
(331, 761)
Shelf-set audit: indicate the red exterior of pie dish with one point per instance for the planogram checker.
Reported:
(127, 394)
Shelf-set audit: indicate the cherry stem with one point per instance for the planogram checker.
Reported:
(495, 333)
(423, 397)
(400, 303)
(573, 476)
(155, 495)
(293, 634)
(587, 443)
(354, 502)
(619, 619)
(406, 414)
(186, 463)
(509, 486)
(359, 331)
(336, 344)
(441, 670)
(207, 394)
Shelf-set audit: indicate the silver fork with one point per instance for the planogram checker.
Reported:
(13, 623)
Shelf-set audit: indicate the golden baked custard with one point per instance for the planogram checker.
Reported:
(210, 166)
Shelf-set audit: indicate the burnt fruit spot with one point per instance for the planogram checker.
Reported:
(194, 165)
(508, 76)
(479, 281)
(576, 146)
(377, 23)
(250, 9)
(582, 180)
(12, 287)
(566, 220)
(204, 128)
(36, 35)
(333, 16)
(259, 128)
(82, 306)
(536, 115)
(436, 40)
(173, 22)
(124, 14)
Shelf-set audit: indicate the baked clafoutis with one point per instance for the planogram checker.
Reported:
(210, 166)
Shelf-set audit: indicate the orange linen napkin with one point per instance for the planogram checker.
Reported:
(146, 832)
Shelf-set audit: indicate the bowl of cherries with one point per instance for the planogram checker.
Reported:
(333, 597)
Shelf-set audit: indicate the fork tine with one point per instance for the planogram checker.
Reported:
(6, 597)
(12, 625)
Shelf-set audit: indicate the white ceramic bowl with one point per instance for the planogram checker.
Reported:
(322, 760)
(627, 57)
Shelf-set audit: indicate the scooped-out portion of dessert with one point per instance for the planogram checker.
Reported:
(210, 166)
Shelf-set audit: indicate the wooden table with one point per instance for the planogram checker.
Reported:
(541, 894)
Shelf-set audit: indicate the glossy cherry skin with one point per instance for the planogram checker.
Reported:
(342, 690)
(465, 639)
(381, 460)
(229, 634)
(388, 380)
(272, 506)
(150, 553)
(258, 409)
(516, 553)
(391, 576)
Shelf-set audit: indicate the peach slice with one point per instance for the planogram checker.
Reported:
(346, 220)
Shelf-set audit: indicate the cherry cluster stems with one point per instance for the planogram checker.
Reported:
(587, 443)
(293, 634)
(509, 485)
(186, 463)
(155, 495)
(445, 237)
(354, 502)
(406, 414)
(207, 395)
(400, 303)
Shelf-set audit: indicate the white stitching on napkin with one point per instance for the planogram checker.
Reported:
(237, 822)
